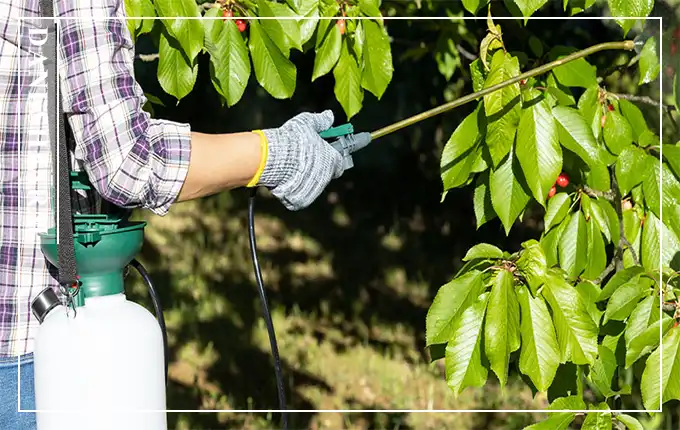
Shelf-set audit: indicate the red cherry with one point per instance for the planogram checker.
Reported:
(603, 120)
(242, 25)
(611, 108)
(341, 25)
(552, 191)
(627, 205)
(523, 82)
(563, 180)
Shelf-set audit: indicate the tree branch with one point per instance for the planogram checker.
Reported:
(147, 58)
(465, 53)
(617, 68)
(623, 241)
(607, 271)
(643, 99)
(607, 195)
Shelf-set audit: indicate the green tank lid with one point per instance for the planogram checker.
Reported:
(104, 245)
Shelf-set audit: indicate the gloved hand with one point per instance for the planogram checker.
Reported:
(300, 164)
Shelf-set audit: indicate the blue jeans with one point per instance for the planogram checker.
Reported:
(10, 417)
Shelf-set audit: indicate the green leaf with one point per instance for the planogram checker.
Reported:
(558, 207)
(502, 107)
(327, 10)
(348, 89)
(310, 10)
(643, 315)
(669, 200)
(284, 33)
(635, 118)
(576, 135)
(573, 246)
(650, 65)
(629, 165)
(630, 8)
(483, 250)
(483, 206)
(460, 152)
(327, 53)
(596, 256)
(229, 60)
(602, 372)
(529, 7)
(478, 75)
(658, 384)
(550, 241)
(598, 216)
(275, 73)
(618, 134)
(508, 196)
(648, 340)
(538, 150)
(188, 32)
(630, 422)
(139, 8)
(378, 68)
(569, 403)
(624, 300)
(532, 263)
(370, 8)
(576, 330)
(620, 278)
(589, 293)
(597, 421)
(501, 329)
(557, 421)
(671, 154)
(176, 74)
(447, 305)
(652, 253)
(576, 73)
(473, 6)
(539, 354)
(463, 352)
(611, 219)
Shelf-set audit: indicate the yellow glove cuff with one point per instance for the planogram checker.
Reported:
(264, 147)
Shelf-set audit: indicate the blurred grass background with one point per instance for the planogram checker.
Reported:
(349, 280)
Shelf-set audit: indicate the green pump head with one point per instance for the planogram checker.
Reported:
(104, 245)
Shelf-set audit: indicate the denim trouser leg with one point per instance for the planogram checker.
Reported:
(10, 417)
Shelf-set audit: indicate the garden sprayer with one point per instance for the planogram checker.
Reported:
(97, 353)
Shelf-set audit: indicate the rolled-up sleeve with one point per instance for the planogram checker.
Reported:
(131, 159)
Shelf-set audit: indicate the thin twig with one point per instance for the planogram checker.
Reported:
(147, 58)
(623, 241)
(607, 271)
(609, 195)
(617, 68)
(465, 53)
(643, 99)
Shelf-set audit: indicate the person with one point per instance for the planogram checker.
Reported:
(132, 160)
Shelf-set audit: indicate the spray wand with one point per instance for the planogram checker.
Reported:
(347, 142)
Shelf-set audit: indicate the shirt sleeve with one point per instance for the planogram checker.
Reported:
(131, 159)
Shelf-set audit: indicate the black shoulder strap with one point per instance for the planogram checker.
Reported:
(60, 151)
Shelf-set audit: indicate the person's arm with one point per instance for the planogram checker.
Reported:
(132, 159)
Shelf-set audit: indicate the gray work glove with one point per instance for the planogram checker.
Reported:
(300, 164)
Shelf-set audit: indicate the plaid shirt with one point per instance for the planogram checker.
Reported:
(132, 160)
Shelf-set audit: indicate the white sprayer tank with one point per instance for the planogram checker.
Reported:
(100, 369)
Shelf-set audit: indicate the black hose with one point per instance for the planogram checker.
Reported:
(265, 309)
(157, 308)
